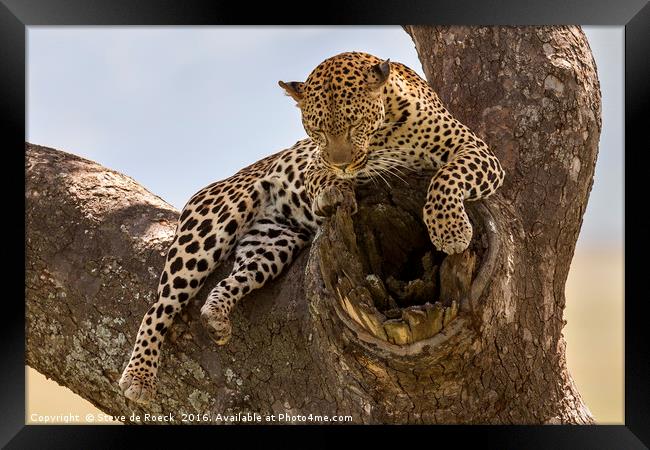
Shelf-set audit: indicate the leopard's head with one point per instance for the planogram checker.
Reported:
(342, 107)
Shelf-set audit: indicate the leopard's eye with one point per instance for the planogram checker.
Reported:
(319, 134)
(356, 125)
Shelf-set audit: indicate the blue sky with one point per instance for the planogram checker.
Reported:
(177, 108)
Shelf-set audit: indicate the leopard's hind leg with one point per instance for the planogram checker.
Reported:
(211, 224)
(262, 253)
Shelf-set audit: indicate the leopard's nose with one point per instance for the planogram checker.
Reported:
(341, 166)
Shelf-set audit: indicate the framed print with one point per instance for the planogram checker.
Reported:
(412, 223)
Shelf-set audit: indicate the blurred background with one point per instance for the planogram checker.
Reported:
(172, 108)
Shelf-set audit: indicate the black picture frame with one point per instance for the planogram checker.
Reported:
(16, 15)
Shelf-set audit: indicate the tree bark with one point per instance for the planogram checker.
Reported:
(370, 321)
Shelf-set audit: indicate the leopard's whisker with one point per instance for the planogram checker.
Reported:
(393, 161)
(395, 170)
(391, 170)
(382, 177)
(393, 123)
(367, 170)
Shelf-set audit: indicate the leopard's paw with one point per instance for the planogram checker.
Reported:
(217, 324)
(330, 198)
(138, 384)
(450, 230)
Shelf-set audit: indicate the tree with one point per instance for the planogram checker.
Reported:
(346, 331)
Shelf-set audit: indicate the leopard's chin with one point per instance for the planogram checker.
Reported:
(347, 175)
(355, 169)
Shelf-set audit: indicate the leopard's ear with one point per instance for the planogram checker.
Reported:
(378, 75)
(293, 89)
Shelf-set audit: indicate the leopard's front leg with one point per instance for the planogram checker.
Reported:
(327, 192)
(472, 173)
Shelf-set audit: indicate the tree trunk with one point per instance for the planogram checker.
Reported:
(370, 321)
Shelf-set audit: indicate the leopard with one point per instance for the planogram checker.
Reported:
(365, 117)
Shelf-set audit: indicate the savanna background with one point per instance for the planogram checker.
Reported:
(178, 108)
